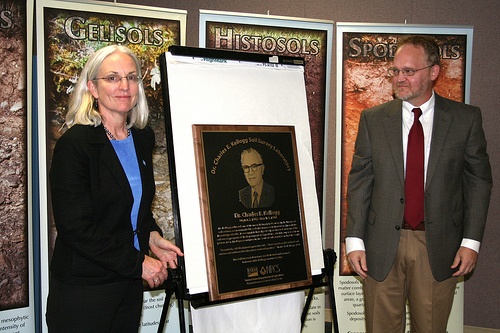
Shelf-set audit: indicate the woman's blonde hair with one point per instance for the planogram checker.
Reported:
(82, 110)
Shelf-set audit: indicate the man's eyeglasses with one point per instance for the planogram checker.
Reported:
(405, 71)
(115, 79)
(253, 167)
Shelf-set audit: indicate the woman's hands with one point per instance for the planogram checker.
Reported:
(155, 271)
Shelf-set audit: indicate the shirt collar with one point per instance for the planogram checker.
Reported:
(426, 107)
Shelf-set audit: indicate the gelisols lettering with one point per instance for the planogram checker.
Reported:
(231, 41)
(5, 19)
(77, 28)
(314, 46)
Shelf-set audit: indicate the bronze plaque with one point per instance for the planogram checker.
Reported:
(252, 211)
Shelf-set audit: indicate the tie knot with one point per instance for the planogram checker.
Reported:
(417, 112)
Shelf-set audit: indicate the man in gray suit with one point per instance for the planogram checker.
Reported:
(419, 260)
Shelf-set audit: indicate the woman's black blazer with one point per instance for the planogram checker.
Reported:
(91, 204)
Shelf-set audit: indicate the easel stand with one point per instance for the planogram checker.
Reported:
(330, 258)
(175, 284)
(178, 89)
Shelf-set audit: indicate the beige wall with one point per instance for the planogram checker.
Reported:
(482, 292)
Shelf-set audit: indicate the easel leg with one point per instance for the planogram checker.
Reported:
(330, 258)
(180, 306)
(306, 307)
(172, 284)
(164, 311)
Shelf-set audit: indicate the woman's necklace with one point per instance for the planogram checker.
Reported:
(111, 136)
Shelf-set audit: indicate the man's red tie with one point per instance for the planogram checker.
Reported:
(414, 180)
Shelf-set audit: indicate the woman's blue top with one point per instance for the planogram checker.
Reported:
(125, 150)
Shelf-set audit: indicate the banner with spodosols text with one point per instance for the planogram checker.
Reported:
(364, 53)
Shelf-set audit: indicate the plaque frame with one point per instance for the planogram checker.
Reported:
(251, 250)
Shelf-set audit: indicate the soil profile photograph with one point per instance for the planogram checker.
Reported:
(14, 286)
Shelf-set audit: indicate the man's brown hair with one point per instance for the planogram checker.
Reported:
(430, 46)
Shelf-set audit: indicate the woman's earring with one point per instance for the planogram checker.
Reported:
(96, 104)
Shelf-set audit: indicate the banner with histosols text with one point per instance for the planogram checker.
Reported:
(288, 36)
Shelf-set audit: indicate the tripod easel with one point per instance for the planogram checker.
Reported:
(175, 285)
(176, 282)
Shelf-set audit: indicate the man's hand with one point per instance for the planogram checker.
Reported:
(466, 258)
(357, 259)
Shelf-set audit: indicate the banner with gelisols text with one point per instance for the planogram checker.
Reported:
(17, 303)
(364, 53)
(68, 33)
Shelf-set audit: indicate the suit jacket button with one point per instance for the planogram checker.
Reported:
(402, 200)
(398, 227)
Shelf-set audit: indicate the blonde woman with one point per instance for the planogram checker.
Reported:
(102, 188)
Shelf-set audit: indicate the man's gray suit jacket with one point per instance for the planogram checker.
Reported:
(457, 189)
